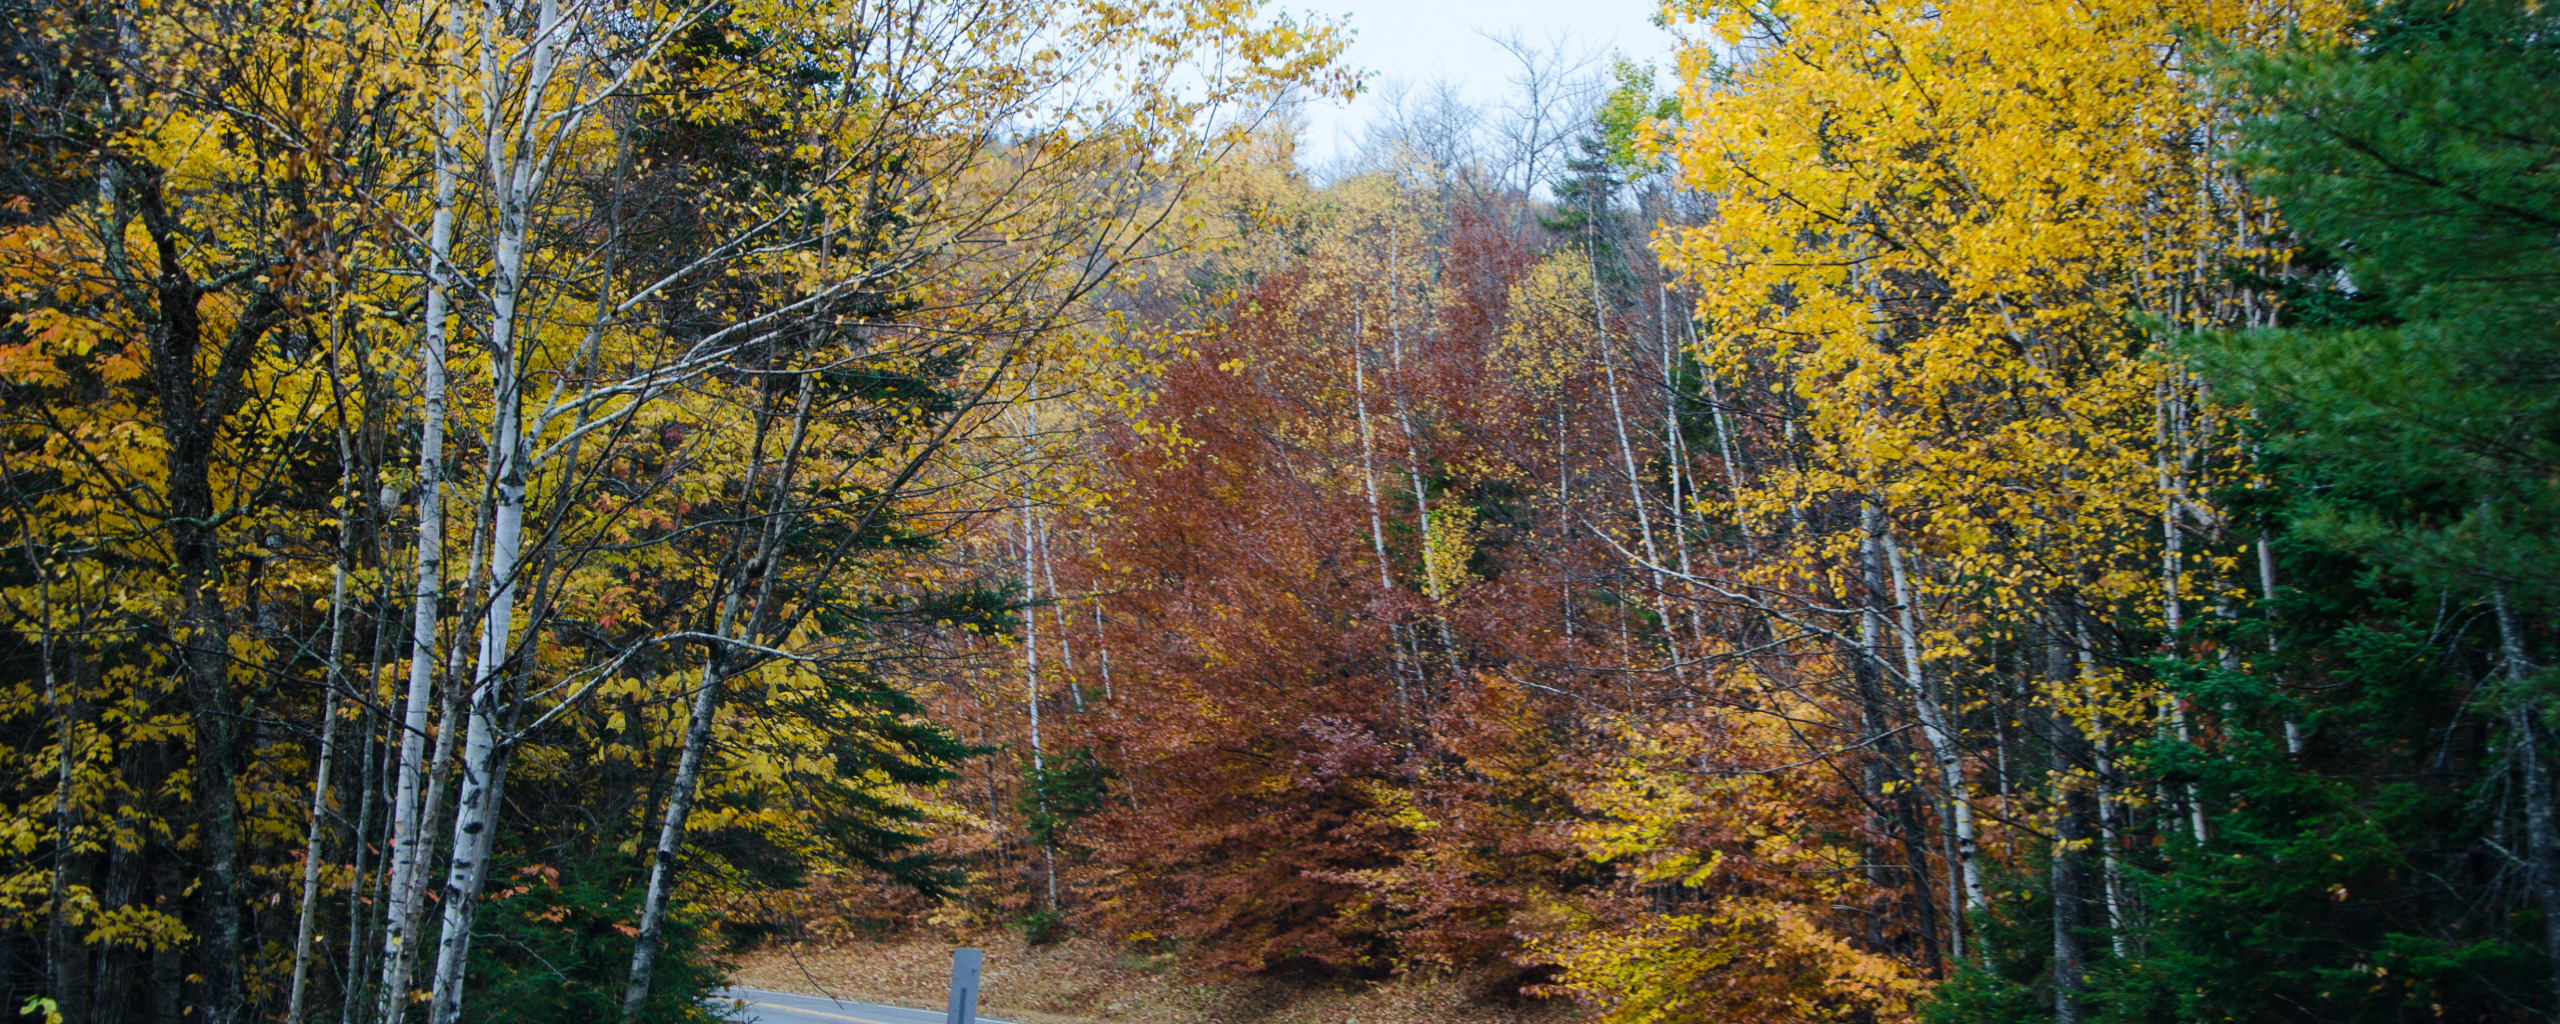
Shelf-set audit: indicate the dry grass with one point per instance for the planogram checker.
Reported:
(1088, 981)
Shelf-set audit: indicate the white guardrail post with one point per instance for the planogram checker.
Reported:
(964, 986)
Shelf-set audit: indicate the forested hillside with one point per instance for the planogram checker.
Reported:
(1981, 511)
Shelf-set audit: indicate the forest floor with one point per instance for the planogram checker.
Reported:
(1091, 981)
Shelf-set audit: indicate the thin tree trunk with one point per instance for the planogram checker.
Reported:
(514, 174)
(365, 877)
(408, 826)
(1031, 698)
(1102, 648)
(66, 960)
(1627, 450)
(319, 794)
(670, 845)
(439, 780)
(475, 823)
(2542, 840)
(1438, 590)
(1031, 674)
(759, 558)
(2275, 646)
(1066, 651)
(1935, 719)
(1412, 454)
(1884, 763)
(1377, 518)
(352, 1003)
(1675, 449)
(2173, 565)
(2109, 807)
(1432, 585)
(1724, 447)
(2069, 979)
(1564, 509)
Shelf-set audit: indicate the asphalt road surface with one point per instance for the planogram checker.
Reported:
(785, 1008)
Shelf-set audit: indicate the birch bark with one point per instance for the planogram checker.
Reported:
(319, 794)
(1369, 482)
(1627, 451)
(2173, 490)
(1031, 694)
(1935, 718)
(2542, 839)
(515, 167)
(408, 827)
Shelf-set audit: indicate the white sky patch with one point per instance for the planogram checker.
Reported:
(1420, 40)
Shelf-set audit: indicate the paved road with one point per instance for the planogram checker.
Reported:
(785, 1008)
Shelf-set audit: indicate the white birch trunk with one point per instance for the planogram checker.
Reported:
(475, 820)
(2173, 565)
(1412, 453)
(2108, 805)
(1635, 480)
(1031, 696)
(1935, 721)
(1102, 649)
(2267, 592)
(2542, 836)
(319, 796)
(1031, 669)
(514, 169)
(1438, 591)
(440, 765)
(408, 827)
(1676, 453)
(1564, 505)
(1066, 650)
(1724, 440)
(1369, 482)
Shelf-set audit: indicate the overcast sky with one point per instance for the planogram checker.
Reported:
(1418, 40)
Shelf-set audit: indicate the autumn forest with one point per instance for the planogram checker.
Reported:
(1972, 512)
